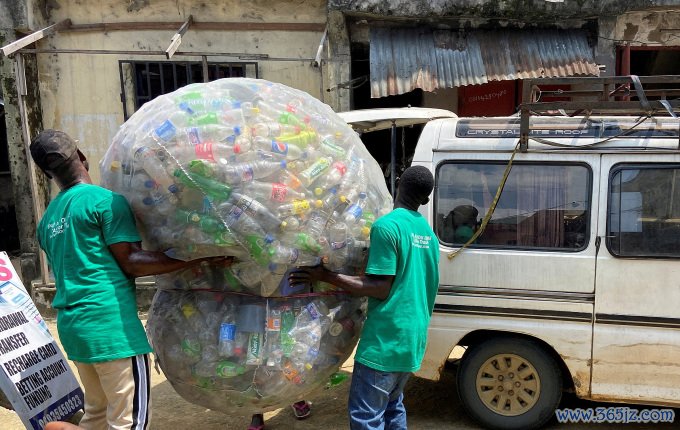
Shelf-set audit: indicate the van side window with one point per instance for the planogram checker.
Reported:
(544, 206)
(643, 219)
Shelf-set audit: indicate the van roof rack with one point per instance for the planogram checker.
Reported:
(598, 96)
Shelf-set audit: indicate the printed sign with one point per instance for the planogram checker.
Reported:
(35, 377)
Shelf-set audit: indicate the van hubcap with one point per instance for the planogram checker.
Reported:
(508, 384)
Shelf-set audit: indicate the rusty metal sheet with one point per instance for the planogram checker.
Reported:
(403, 59)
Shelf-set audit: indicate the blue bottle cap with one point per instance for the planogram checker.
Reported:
(173, 188)
(237, 130)
(283, 164)
(362, 195)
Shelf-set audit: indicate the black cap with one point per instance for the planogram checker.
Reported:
(52, 148)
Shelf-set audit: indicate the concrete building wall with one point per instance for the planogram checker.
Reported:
(650, 28)
(80, 93)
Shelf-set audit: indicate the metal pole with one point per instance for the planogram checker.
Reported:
(393, 161)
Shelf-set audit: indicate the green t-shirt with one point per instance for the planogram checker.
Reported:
(96, 302)
(395, 332)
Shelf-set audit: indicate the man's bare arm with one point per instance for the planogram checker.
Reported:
(136, 262)
(378, 286)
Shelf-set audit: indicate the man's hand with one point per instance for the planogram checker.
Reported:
(306, 275)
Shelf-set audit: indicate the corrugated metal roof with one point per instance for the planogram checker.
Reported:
(403, 59)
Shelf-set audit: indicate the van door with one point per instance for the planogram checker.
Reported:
(636, 341)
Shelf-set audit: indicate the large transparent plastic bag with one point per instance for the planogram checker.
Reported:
(274, 177)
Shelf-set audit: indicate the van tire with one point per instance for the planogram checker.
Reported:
(491, 368)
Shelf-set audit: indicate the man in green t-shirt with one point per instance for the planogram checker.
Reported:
(94, 249)
(401, 281)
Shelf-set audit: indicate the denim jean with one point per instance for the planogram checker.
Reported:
(376, 399)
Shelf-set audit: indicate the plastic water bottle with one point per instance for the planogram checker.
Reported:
(252, 208)
(227, 331)
(212, 151)
(246, 172)
(281, 254)
(334, 175)
(273, 331)
(147, 159)
(250, 274)
(272, 192)
(338, 245)
(296, 207)
(279, 148)
(273, 129)
(354, 212)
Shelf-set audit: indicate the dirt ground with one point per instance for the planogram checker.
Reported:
(430, 405)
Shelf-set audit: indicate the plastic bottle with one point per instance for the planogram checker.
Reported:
(163, 204)
(279, 148)
(147, 159)
(273, 129)
(296, 207)
(115, 176)
(246, 172)
(281, 254)
(302, 139)
(328, 145)
(354, 212)
(211, 151)
(336, 379)
(313, 172)
(272, 335)
(249, 273)
(287, 324)
(252, 208)
(274, 192)
(227, 335)
(338, 245)
(198, 178)
(333, 176)
(228, 369)
(206, 223)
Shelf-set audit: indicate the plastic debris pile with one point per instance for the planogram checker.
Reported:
(270, 175)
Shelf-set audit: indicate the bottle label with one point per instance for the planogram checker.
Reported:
(279, 192)
(313, 310)
(247, 174)
(227, 331)
(193, 135)
(204, 151)
(166, 131)
(300, 206)
(254, 347)
(355, 211)
(316, 169)
(279, 147)
(338, 245)
(274, 323)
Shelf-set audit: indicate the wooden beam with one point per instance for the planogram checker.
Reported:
(177, 38)
(34, 37)
(222, 26)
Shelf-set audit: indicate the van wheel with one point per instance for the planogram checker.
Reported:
(509, 384)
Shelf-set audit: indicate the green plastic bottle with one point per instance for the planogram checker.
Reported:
(336, 379)
(210, 187)
(229, 369)
(287, 323)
